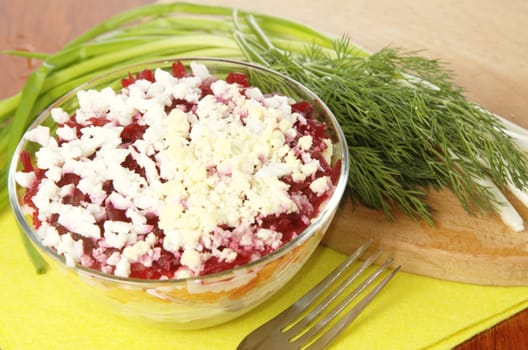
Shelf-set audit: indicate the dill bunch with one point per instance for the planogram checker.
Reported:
(409, 127)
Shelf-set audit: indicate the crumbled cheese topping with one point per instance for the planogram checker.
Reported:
(218, 165)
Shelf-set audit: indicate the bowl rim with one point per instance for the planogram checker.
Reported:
(323, 215)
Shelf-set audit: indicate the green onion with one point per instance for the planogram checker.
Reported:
(37, 260)
(23, 115)
(26, 54)
(8, 106)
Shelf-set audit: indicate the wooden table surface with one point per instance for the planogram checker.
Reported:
(485, 43)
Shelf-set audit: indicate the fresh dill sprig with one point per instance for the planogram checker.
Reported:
(409, 127)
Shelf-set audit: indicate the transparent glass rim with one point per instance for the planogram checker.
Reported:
(323, 216)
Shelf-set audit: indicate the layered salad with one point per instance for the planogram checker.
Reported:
(180, 173)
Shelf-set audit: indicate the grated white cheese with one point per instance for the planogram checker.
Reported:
(320, 185)
(59, 115)
(137, 250)
(40, 135)
(219, 164)
(25, 179)
(78, 220)
(116, 233)
(122, 268)
(305, 142)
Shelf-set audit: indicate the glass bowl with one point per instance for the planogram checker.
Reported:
(208, 300)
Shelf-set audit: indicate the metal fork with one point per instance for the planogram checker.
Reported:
(307, 324)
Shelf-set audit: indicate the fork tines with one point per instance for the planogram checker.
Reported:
(307, 324)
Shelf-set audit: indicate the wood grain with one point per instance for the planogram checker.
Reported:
(485, 42)
(459, 247)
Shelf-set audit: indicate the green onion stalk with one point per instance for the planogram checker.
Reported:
(408, 126)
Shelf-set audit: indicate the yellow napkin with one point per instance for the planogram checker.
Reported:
(415, 312)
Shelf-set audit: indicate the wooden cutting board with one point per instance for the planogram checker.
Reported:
(459, 247)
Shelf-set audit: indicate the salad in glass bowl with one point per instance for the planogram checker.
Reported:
(186, 191)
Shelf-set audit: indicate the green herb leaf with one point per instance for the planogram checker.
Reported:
(408, 126)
